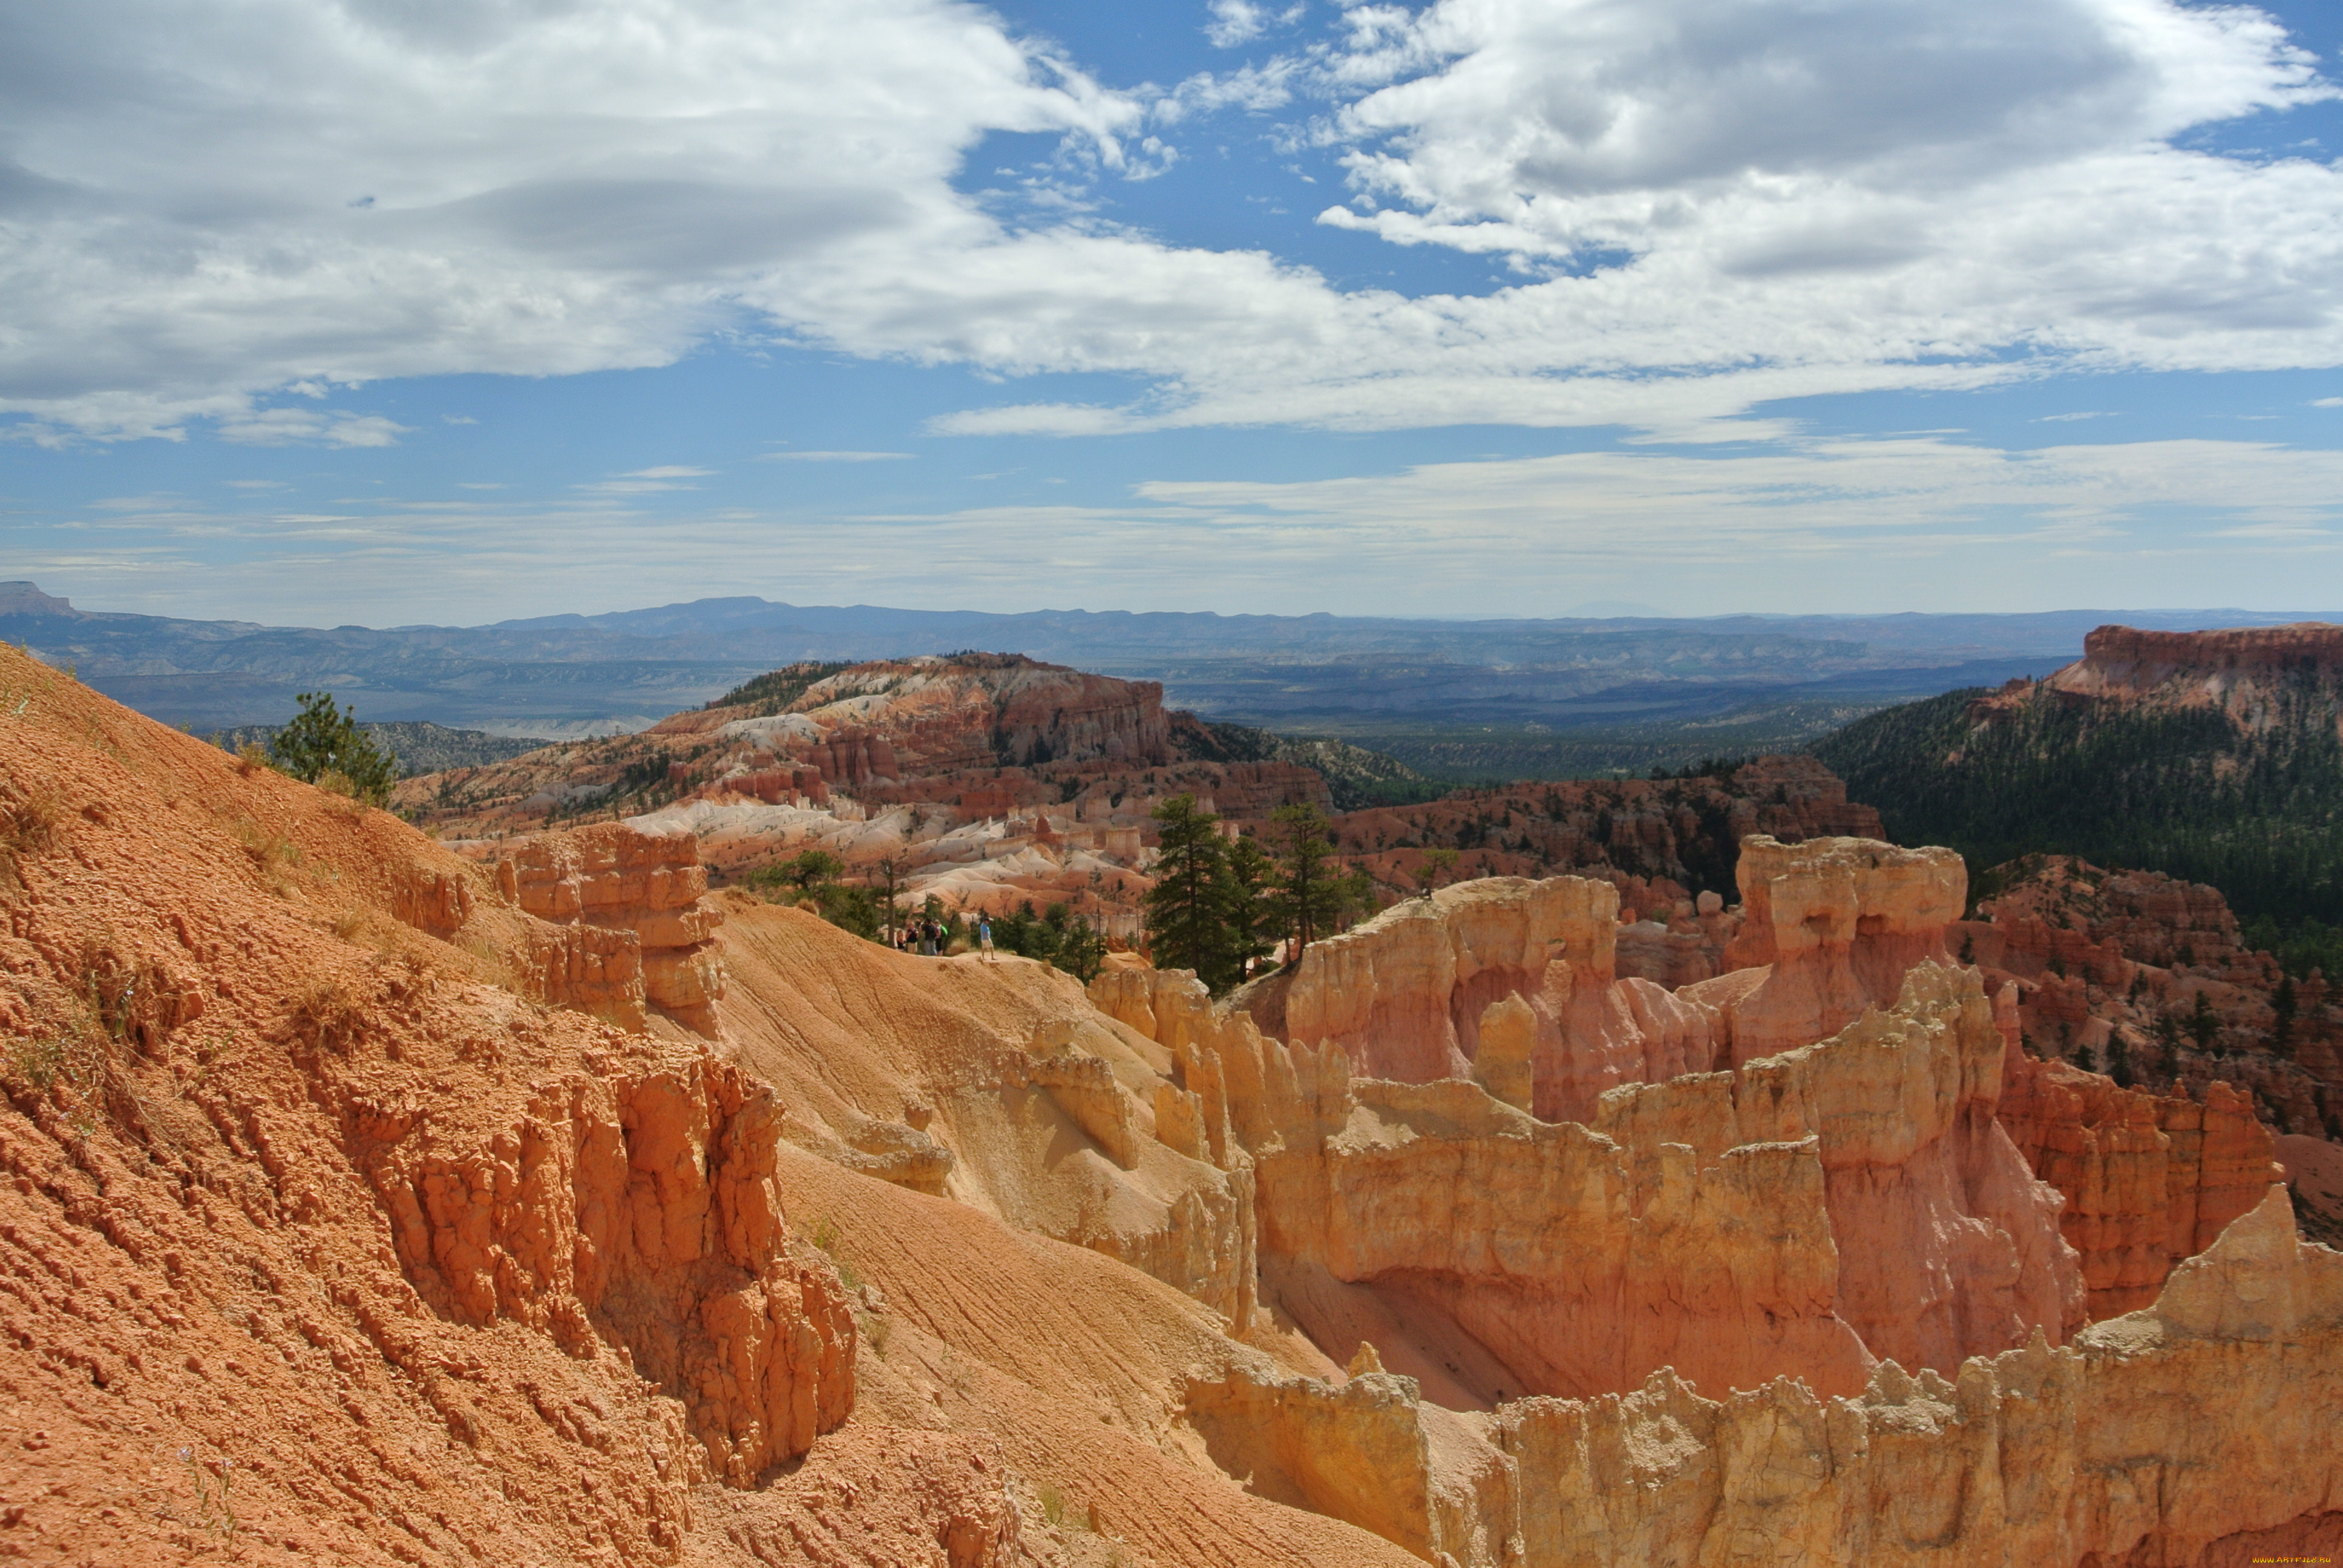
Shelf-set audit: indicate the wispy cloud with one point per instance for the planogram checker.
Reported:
(1235, 21)
(646, 481)
(832, 456)
(305, 426)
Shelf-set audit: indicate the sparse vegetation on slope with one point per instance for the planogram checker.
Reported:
(1355, 777)
(773, 692)
(417, 747)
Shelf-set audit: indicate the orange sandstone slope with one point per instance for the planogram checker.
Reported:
(327, 1239)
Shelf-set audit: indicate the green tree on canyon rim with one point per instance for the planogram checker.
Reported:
(1308, 895)
(1187, 908)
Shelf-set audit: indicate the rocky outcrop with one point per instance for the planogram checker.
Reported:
(1835, 923)
(1403, 995)
(2152, 1437)
(2233, 670)
(590, 968)
(310, 1205)
(2148, 1180)
(985, 781)
(616, 876)
(995, 1085)
(1732, 1225)
(641, 1207)
(1855, 1193)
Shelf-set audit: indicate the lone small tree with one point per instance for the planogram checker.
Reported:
(1437, 866)
(322, 739)
(889, 886)
(812, 870)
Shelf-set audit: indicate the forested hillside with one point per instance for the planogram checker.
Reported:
(2254, 809)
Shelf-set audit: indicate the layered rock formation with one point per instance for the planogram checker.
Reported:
(2186, 1426)
(615, 876)
(2149, 1179)
(327, 1241)
(2235, 671)
(396, 1262)
(1404, 996)
(1833, 923)
(329, 1237)
(1416, 995)
(996, 1085)
(1808, 1211)
(986, 779)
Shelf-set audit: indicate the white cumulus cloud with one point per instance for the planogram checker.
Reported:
(1706, 204)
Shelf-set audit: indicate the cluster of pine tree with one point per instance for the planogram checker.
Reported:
(1221, 905)
(2185, 791)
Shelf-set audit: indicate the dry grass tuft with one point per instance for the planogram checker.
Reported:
(326, 1017)
(344, 791)
(32, 823)
(251, 758)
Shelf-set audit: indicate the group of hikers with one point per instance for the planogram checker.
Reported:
(929, 937)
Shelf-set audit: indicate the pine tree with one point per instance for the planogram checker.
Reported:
(1247, 924)
(322, 739)
(2204, 1025)
(1306, 897)
(1186, 908)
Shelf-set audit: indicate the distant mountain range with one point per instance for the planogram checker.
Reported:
(567, 676)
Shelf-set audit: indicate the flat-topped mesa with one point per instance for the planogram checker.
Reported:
(619, 877)
(2124, 660)
(1829, 926)
(2245, 673)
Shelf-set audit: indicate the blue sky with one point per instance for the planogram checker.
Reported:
(390, 311)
